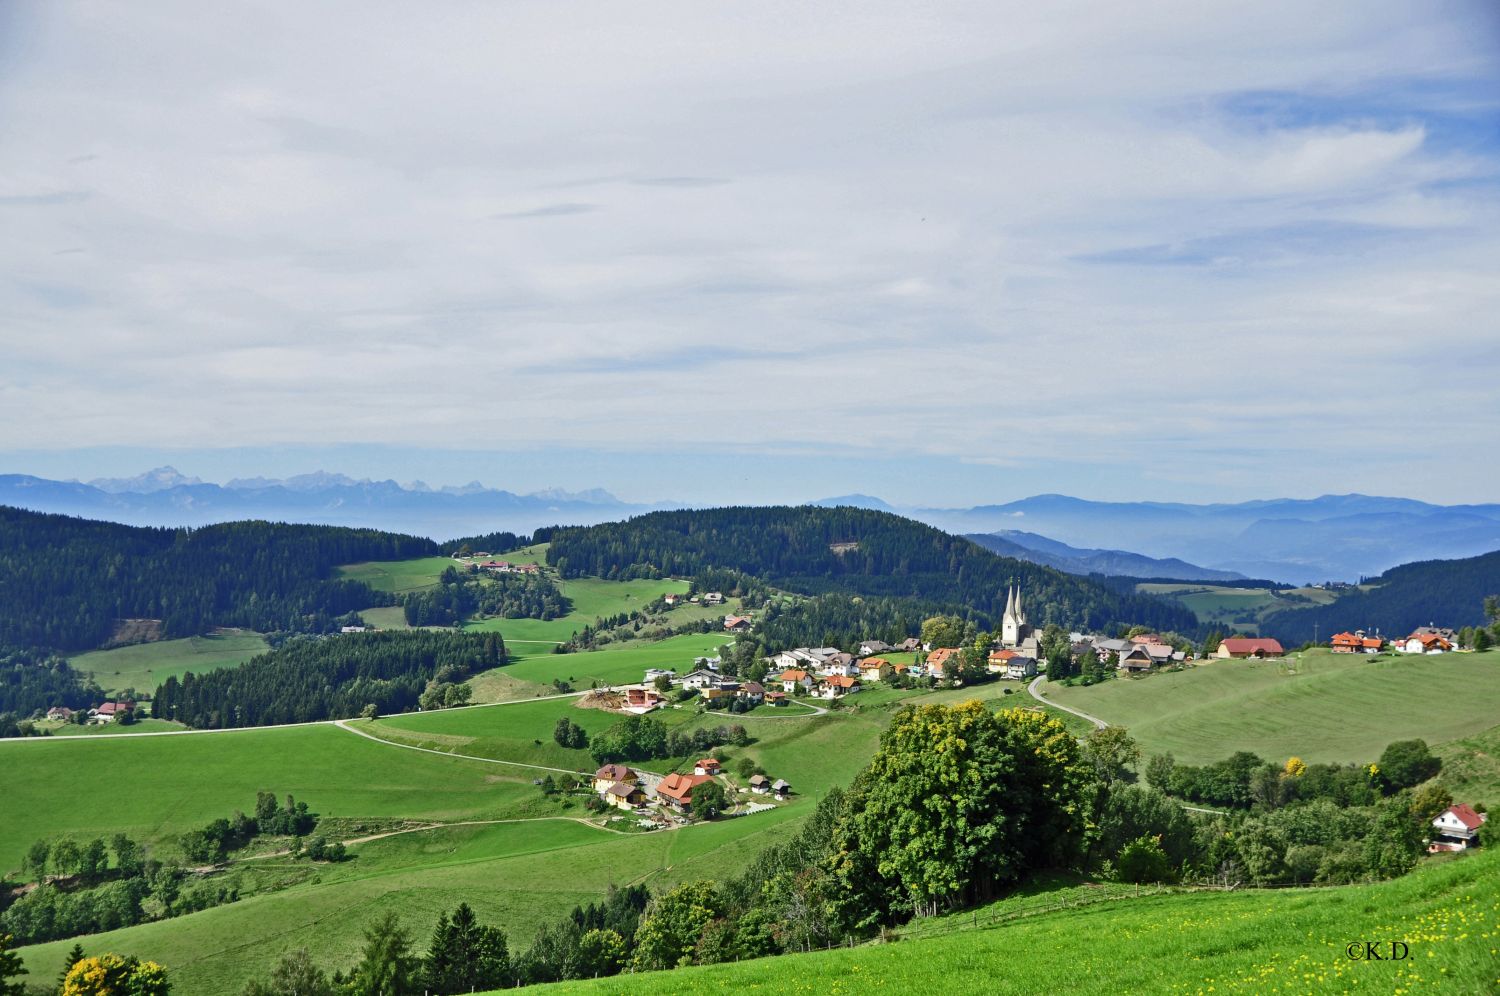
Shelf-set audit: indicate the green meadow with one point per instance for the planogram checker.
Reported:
(615, 664)
(397, 576)
(1241, 608)
(1324, 707)
(143, 666)
(1273, 941)
(593, 598)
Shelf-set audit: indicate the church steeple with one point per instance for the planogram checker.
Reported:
(1010, 604)
(1020, 613)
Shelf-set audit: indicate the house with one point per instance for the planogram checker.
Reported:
(776, 698)
(875, 669)
(672, 598)
(1424, 643)
(625, 795)
(721, 692)
(676, 790)
(642, 700)
(846, 665)
(737, 624)
(781, 788)
(753, 692)
(1373, 644)
(612, 774)
(700, 680)
(1135, 660)
(1144, 638)
(354, 629)
(1110, 650)
(937, 661)
(652, 673)
(1456, 827)
(760, 784)
(1244, 647)
(712, 663)
(1160, 653)
(999, 661)
(1448, 634)
(1021, 667)
(706, 766)
(909, 645)
(60, 712)
(1346, 643)
(109, 712)
(794, 679)
(713, 598)
(784, 661)
(837, 686)
(871, 647)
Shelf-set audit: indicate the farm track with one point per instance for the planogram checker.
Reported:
(1032, 688)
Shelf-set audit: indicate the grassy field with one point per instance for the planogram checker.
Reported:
(144, 666)
(1286, 941)
(1471, 766)
(385, 617)
(615, 664)
(592, 598)
(1336, 707)
(157, 787)
(1239, 608)
(397, 576)
(111, 729)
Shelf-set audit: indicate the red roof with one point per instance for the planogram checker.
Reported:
(1373, 641)
(1466, 815)
(841, 680)
(615, 773)
(792, 675)
(1345, 640)
(1251, 645)
(707, 764)
(680, 787)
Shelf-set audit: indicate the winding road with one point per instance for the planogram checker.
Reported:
(1032, 688)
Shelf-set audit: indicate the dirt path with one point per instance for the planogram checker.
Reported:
(343, 724)
(1032, 688)
(355, 841)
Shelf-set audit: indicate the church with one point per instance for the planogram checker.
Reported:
(1015, 632)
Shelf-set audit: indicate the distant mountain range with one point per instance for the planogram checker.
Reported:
(1332, 538)
(1119, 563)
(165, 497)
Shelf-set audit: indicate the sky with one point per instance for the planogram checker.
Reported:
(947, 254)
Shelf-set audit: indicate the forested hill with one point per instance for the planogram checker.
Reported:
(64, 581)
(1441, 592)
(812, 550)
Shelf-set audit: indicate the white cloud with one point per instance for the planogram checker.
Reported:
(852, 225)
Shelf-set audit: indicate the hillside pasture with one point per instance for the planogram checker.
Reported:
(616, 664)
(1326, 707)
(398, 576)
(144, 666)
(1236, 609)
(593, 598)
(1288, 941)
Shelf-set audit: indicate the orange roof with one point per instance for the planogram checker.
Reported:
(680, 787)
(841, 680)
(898, 668)
(874, 662)
(792, 675)
(1250, 645)
(1344, 640)
(1373, 641)
(941, 656)
(1003, 655)
(707, 762)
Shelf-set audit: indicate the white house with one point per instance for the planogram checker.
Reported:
(840, 665)
(713, 598)
(784, 661)
(1456, 827)
(700, 680)
(1020, 667)
(872, 647)
(652, 673)
(795, 680)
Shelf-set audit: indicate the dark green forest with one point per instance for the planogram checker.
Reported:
(460, 594)
(1441, 592)
(793, 548)
(313, 678)
(64, 581)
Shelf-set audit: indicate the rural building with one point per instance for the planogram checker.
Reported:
(760, 784)
(795, 679)
(1144, 638)
(1456, 827)
(674, 599)
(737, 624)
(776, 698)
(652, 673)
(1243, 647)
(909, 645)
(753, 692)
(1356, 643)
(1020, 667)
(784, 661)
(875, 669)
(781, 788)
(870, 647)
(1110, 650)
(60, 712)
(999, 660)
(837, 686)
(706, 766)
(700, 680)
(625, 795)
(1424, 643)
(611, 774)
(1015, 632)
(676, 790)
(713, 598)
(937, 661)
(1135, 660)
(840, 663)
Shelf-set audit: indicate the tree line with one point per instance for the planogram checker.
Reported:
(311, 678)
(806, 550)
(461, 594)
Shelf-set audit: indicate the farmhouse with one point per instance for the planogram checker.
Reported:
(737, 624)
(908, 645)
(753, 692)
(700, 680)
(1241, 648)
(1020, 667)
(1456, 827)
(60, 712)
(652, 673)
(706, 766)
(1110, 650)
(785, 661)
(713, 598)
(611, 774)
(875, 669)
(1424, 643)
(1356, 643)
(109, 712)
(1135, 660)
(840, 664)
(870, 647)
(676, 790)
(781, 788)
(837, 686)
(760, 784)
(625, 795)
(937, 661)
(671, 598)
(794, 679)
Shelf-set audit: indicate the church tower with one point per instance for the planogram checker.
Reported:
(1010, 623)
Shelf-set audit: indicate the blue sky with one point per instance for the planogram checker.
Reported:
(943, 253)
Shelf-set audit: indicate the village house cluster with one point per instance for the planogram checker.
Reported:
(656, 799)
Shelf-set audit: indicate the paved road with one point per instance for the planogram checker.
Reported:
(1032, 688)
